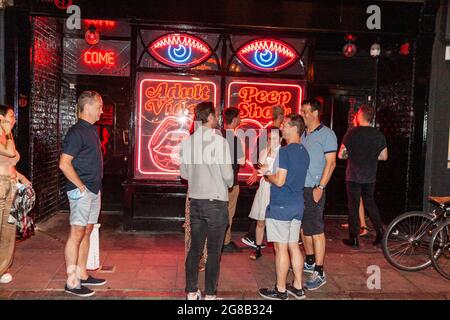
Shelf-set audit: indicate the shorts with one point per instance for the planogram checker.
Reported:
(84, 210)
(313, 223)
(283, 231)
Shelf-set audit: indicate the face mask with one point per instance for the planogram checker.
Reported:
(75, 194)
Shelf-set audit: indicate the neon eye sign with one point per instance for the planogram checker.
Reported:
(268, 55)
(180, 50)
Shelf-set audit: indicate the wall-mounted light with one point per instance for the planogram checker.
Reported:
(92, 36)
(349, 49)
(404, 48)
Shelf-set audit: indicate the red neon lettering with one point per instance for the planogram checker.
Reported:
(168, 107)
(100, 23)
(106, 58)
(178, 91)
(249, 94)
(254, 111)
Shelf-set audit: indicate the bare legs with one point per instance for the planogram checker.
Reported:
(315, 245)
(288, 254)
(76, 253)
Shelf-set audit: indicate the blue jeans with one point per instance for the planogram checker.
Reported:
(209, 218)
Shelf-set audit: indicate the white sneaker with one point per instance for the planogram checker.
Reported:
(214, 297)
(6, 278)
(198, 296)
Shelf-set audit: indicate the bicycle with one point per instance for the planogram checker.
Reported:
(406, 242)
(440, 249)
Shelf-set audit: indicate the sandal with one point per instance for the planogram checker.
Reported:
(255, 255)
(364, 231)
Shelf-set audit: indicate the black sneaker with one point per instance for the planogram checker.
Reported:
(299, 294)
(231, 247)
(273, 294)
(248, 241)
(82, 291)
(91, 281)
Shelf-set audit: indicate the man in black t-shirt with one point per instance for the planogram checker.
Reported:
(232, 120)
(363, 146)
(82, 164)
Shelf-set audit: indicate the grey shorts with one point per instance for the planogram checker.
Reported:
(84, 210)
(283, 231)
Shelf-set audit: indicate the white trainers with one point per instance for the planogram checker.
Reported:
(214, 297)
(6, 278)
(197, 296)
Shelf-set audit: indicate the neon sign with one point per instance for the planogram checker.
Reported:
(267, 55)
(105, 130)
(255, 101)
(171, 97)
(99, 23)
(62, 4)
(165, 112)
(180, 50)
(99, 58)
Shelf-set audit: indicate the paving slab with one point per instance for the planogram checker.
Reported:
(151, 266)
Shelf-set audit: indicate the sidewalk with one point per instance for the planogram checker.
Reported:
(151, 266)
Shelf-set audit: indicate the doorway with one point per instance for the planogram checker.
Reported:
(113, 131)
(339, 107)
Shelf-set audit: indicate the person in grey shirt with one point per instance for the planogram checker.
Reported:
(321, 144)
(205, 162)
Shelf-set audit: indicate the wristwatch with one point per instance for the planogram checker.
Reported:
(321, 187)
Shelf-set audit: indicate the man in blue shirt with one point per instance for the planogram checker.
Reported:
(321, 143)
(285, 211)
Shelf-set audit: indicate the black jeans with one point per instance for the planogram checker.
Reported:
(354, 192)
(209, 218)
(252, 230)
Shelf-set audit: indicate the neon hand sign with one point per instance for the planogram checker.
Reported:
(180, 50)
(268, 55)
(165, 109)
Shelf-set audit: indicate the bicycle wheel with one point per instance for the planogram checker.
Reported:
(406, 241)
(440, 249)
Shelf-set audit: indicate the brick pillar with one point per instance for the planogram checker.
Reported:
(52, 113)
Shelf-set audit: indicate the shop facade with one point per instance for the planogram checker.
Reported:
(153, 63)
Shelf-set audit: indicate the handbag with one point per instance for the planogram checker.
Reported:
(21, 210)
